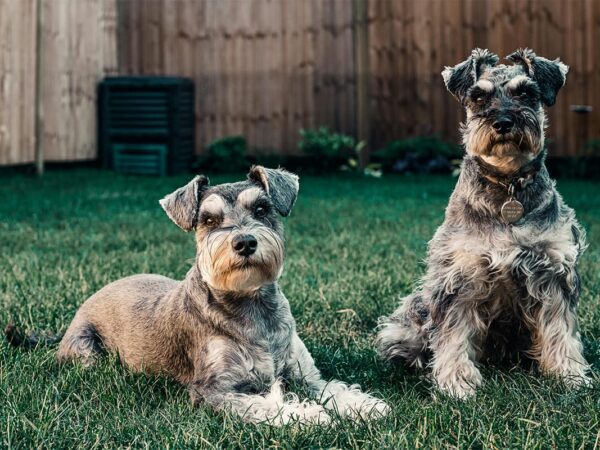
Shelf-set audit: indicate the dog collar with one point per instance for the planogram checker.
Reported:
(519, 179)
(511, 210)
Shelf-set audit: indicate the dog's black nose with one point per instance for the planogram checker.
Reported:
(503, 125)
(244, 244)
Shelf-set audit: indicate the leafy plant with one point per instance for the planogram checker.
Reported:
(591, 148)
(420, 145)
(325, 143)
(353, 163)
(335, 151)
(225, 155)
(421, 154)
(585, 164)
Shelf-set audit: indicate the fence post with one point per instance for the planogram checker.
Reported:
(39, 150)
(360, 13)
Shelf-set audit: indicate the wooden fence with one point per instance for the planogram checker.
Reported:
(75, 47)
(266, 68)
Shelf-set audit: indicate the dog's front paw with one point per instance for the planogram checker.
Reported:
(369, 408)
(350, 401)
(577, 381)
(572, 371)
(304, 413)
(461, 384)
(379, 408)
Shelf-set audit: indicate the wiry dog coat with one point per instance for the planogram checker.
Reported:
(494, 288)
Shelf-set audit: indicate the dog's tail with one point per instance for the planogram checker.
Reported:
(18, 338)
(402, 337)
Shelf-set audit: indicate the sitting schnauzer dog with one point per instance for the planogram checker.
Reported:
(226, 330)
(502, 269)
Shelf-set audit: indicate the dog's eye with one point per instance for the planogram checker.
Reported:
(210, 221)
(526, 93)
(260, 211)
(479, 97)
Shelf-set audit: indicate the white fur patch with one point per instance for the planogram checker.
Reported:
(277, 410)
(214, 204)
(564, 69)
(247, 197)
(516, 81)
(486, 85)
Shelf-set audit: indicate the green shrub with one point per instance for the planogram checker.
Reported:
(268, 157)
(586, 164)
(327, 149)
(422, 147)
(225, 155)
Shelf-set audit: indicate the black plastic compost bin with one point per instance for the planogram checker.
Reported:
(146, 124)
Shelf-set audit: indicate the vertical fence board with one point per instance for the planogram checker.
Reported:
(76, 53)
(17, 81)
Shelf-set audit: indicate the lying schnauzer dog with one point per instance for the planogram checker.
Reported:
(226, 331)
(502, 269)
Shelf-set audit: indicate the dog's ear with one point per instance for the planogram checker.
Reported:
(280, 185)
(182, 206)
(550, 76)
(460, 78)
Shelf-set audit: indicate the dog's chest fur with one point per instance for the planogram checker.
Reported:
(498, 263)
(249, 335)
(267, 336)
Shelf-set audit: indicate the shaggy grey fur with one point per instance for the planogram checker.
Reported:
(495, 289)
(226, 330)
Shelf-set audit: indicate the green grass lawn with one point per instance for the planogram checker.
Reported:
(354, 246)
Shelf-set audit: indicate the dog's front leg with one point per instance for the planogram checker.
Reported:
(345, 400)
(227, 378)
(271, 407)
(556, 342)
(454, 343)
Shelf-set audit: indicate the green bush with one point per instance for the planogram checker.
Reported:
(422, 147)
(586, 164)
(325, 143)
(327, 149)
(225, 155)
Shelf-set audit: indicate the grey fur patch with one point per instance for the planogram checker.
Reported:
(460, 78)
(182, 205)
(549, 75)
(281, 186)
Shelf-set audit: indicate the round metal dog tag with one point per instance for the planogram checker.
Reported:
(512, 211)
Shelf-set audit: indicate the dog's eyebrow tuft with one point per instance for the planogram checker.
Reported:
(213, 204)
(248, 197)
(485, 85)
(516, 82)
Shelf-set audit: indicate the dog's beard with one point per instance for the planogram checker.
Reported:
(223, 269)
(509, 151)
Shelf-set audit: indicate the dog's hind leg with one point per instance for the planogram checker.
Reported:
(402, 336)
(81, 342)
